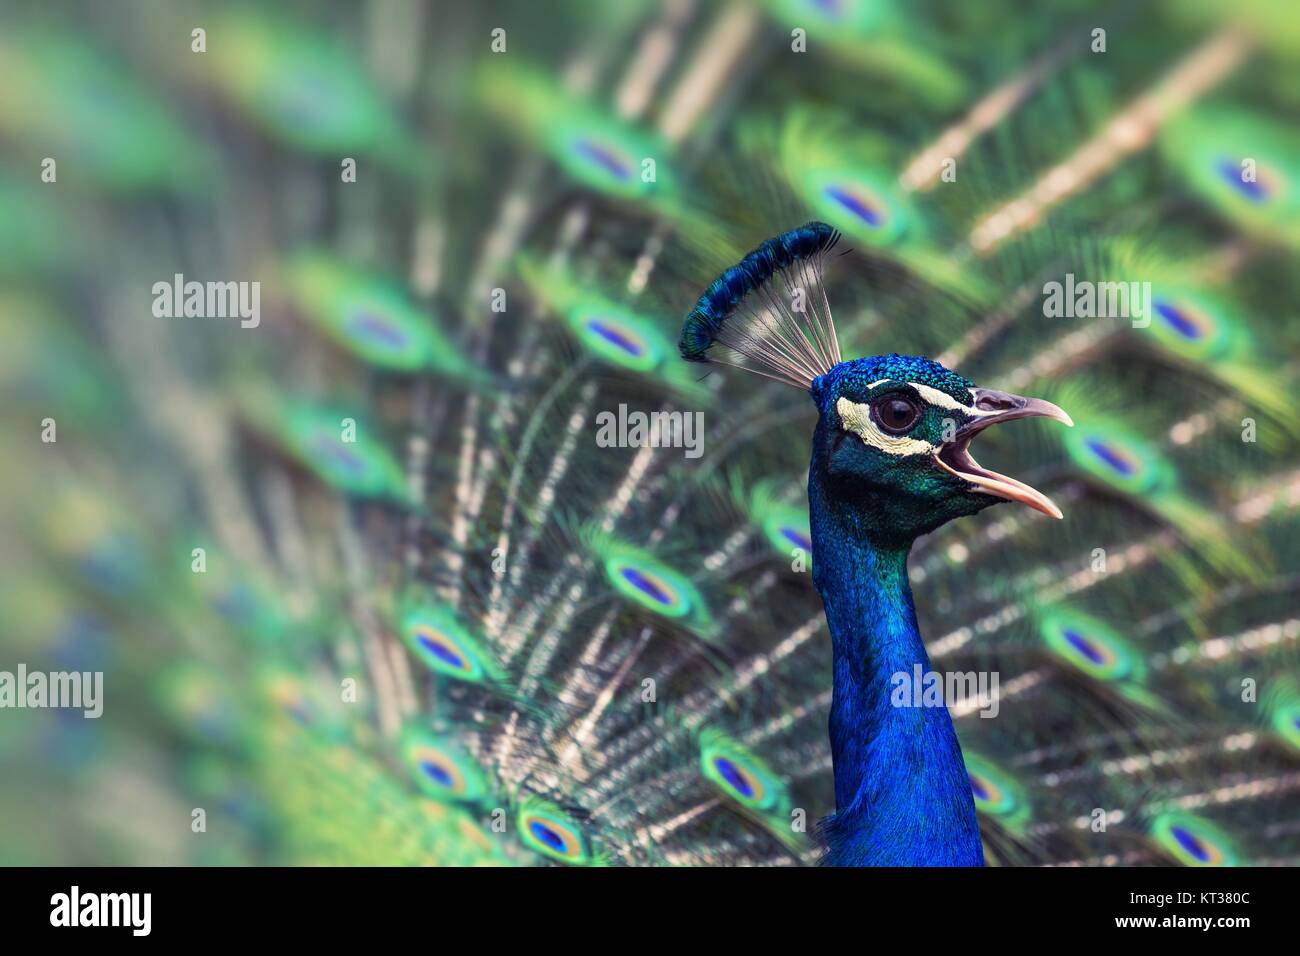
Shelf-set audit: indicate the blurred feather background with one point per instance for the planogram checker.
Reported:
(362, 584)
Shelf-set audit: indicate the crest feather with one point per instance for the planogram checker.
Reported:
(769, 312)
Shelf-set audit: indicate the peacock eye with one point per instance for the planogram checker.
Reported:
(897, 413)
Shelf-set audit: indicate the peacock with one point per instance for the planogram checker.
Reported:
(883, 474)
(429, 523)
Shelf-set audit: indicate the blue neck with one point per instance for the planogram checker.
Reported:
(902, 794)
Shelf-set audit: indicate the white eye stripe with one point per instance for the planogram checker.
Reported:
(857, 419)
(944, 400)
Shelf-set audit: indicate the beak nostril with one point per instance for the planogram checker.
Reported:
(995, 403)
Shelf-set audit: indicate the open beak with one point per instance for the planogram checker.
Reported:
(993, 407)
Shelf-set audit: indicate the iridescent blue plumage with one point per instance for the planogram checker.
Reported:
(902, 793)
(889, 464)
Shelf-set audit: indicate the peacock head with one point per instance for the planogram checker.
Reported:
(892, 444)
(891, 451)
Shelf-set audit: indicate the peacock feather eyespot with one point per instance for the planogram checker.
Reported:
(624, 341)
(648, 582)
(983, 790)
(619, 336)
(792, 531)
(361, 466)
(370, 317)
(335, 458)
(445, 645)
(440, 768)
(605, 155)
(331, 444)
(1090, 646)
(1286, 722)
(1261, 189)
(1254, 189)
(608, 157)
(1194, 326)
(739, 774)
(611, 332)
(301, 87)
(592, 146)
(786, 530)
(1288, 726)
(1194, 841)
(996, 793)
(1114, 456)
(799, 537)
(246, 605)
(784, 526)
(1282, 706)
(91, 106)
(859, 204)
(1109, 451)
(548, 830)
(370, 327)
(1185, 322)
(297, 99)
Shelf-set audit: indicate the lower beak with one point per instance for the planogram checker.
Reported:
(993, 407)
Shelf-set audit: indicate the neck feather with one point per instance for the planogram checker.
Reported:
(902, 795)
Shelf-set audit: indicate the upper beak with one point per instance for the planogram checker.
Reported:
(993, 407)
